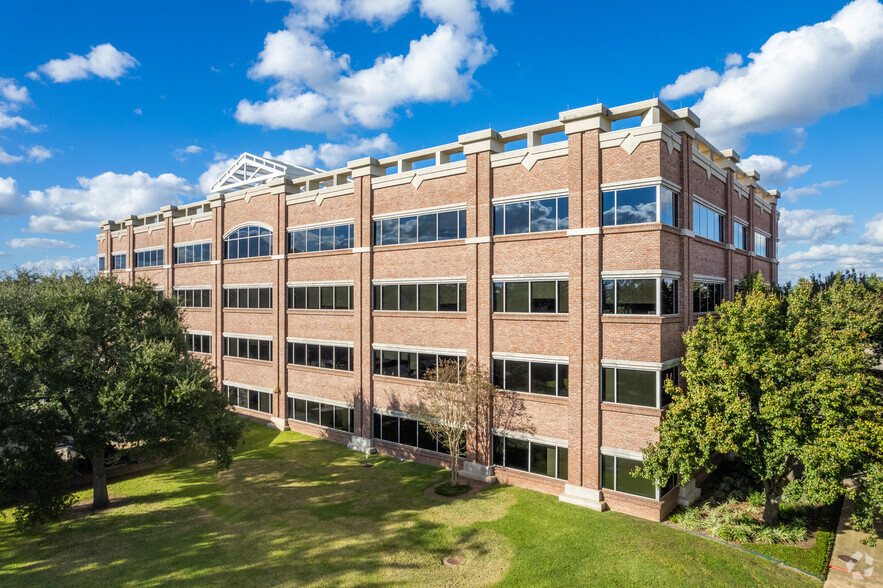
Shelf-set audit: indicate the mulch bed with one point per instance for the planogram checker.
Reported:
(474, 487)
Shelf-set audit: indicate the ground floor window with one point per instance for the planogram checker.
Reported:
(616, 475)
(320, 413)
(530, 456)
(410, 432)
(247, 398)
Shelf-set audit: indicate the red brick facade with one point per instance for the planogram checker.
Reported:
(664, 150)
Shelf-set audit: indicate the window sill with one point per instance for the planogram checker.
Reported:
(558, 317)
(310, 254)
(248, 259)
(419, 314)
(196, 308)
(534, 397)
(562, 234)
(247, 361)
(249, 310)
(320, 311)
(424, 245)
(632, 409)
(637, 228)
(317, 369)
(192, 264)
(641, 318)
(398, 380)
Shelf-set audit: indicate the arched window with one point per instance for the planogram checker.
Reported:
(248, 241)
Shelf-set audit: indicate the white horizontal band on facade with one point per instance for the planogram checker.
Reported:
(237, 286)
(243, 336)
(707, 204)
(530, 437)
(394, 413)
(361, 250)
(562, 359)
(715, 279)
(532, 196)
(159, 289)
(624, 453)
(418, 211)
(192, 287)
(167, 266)
(742, 222)
(128, 269)
(320, 342)
(641, 183)
(406, 281)
(584, 231)
(152, 248)
(476, 240)
(528, 277)
(325, 283)
(339, 403)
(764, 233)
(192, 332)
(322, 225)
(640, 365)
(417, 349)
(247, 386)
(687, 233)
(638, 274)
(199, 242)
(278, 257)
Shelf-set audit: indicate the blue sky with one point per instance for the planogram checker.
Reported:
(112, 108)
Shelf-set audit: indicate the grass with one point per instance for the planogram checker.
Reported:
(294, 510)
(446, 489)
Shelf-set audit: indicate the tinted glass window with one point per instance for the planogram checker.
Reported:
(408, 229)
(517, 218)
(517, 297)
(426, 227)
(447, 226)
(542, 296)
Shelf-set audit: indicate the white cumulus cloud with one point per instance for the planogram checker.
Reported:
(39, 153)
(182, 152)
(10, 199)
(773, 170)
(12, 98)
(104, 61)
(812, 226)
(335, 155)
(792, 194)
(8, 158)
(796, 77)
(874, 230)
(40, 243)
(690, 83)
(62, 265)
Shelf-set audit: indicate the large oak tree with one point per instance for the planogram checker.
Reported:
(92, 363)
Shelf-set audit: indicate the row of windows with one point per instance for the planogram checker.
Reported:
(421, 297)
(251, 241)
(408, 364)
(435, 226)
(535, 377)
(639, 296)
(322, 239)
(707, 296)
(653, 204)
(247, 398)
(251, 297)
(545, 296)
(530, 456)
(151, 258)
(330, 357)
(637, 387)
(199, 343)
(247, 348)
(708, 223)
(410, 432)
(616, 475)
(194, 298)
(534, 216)
(321, 297)
(319, 413)
(193, 253)
(118, 261)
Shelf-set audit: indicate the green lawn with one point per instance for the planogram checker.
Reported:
(301, 511)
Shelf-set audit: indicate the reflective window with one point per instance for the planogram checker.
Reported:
(320, 297)
(708, 223)
(151, 258)
(101, 263)
(534, 377)
(249, 241)
(321, 239)
(248, 297)
(257, 400)
(199, 343)
(118, 261)
(410, 432)
(443, 297)
(196, 253)
(193, 297)
(248, 348)
(707, 296)
(740, 236)
(409, 364)
(762, 244)
(424, 228)
(534, 216)
(640, 205)
(638, 296)
(320, 413)
(616, 475)
(530, 456)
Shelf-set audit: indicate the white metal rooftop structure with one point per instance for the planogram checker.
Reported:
(251, 170)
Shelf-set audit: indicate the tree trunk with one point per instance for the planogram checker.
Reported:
(771, 500)
(99, 482)
(454, 460)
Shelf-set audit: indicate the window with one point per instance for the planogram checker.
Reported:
(248, 348)
(199, 342)
(533, 216)
(708, 223)
(540, 296)
(423, 228)
(639, 296)
(320, 297)
(636, 387)
(651, 204)
(707, 295)
(101, 263)
(193, 253)
(332, 416)
(330, 356)
(248, 297)
(535, 377)
(118, 261)
(194, 297)
(444, 297)
(530, 456)
(410, 432)
(413, 365)
(258, 400)
(740, 236)
(616, 475)
(149, 258)
(320, 238)
(762, 244)
(250, 241)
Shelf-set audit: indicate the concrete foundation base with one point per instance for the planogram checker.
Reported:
(689, 493)
(362, 445)
(586, 497)
(477, 471)
(277, 423)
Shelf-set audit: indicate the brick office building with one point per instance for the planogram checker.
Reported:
(566, 256)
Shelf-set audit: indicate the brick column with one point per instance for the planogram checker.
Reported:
(363, 395)
(217, 204)
(686, 302)
(774, 265)
(129, 224)
(280, 314)
(584, 127)
(168, 216)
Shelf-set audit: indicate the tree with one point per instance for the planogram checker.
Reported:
(97, 364)
(786, 382)
(461, 399)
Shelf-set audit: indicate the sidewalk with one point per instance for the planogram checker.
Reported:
(854, 564)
